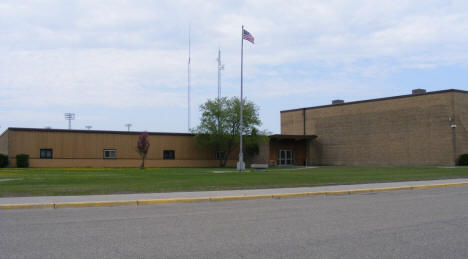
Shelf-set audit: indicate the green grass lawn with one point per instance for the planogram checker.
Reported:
(75, 181)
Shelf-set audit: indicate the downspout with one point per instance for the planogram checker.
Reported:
(8, 148)
(453, 127)
(304, 120)
(306, 140)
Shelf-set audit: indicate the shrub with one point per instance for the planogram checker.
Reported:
(22, 160)
(3, 160)
(463, 160)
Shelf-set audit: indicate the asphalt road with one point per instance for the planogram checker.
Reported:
(430, 223)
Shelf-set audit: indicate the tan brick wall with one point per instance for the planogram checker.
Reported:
(63, 163)
(292, 123)
(91, 145)
(4, 143)
(78, 149)
(262, 157)
(401, 131)
(314, 153)
(461, 120)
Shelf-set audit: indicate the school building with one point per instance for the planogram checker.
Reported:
(422, 128)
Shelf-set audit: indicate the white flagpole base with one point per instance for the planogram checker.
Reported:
(240, 166)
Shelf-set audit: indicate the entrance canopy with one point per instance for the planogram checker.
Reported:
(289, 149)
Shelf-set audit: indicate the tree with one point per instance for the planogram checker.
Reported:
(219, 127)
(142, 147)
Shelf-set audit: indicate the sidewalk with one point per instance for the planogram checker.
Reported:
(156, 198)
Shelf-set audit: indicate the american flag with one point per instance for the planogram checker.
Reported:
(247, 36)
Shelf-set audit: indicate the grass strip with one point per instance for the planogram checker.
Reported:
(85, 181)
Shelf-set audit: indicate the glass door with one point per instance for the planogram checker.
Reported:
(285, 157)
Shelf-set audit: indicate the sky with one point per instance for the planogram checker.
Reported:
(117, 62)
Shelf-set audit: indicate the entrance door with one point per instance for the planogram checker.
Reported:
(286, 157)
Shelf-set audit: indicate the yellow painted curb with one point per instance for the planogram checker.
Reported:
(93, 204)
(360, 191)
(223, 198)
(173, 200)
(440, 185)
(241, 197)
(336, 192)
(301, 194)
(26, 206)
(384, 189)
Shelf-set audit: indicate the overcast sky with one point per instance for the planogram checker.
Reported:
(117, 62)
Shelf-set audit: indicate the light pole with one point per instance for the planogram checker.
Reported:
(69, 117)
(88, 127)
(128, 125)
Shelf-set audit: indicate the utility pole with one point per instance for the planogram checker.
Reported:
(128, 125)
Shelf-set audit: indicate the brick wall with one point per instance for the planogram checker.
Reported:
(461, 120)
(410, 130)
(4, 143)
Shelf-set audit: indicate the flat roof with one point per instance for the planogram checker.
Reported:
(99, 131)
(295, 137)
(378, 99)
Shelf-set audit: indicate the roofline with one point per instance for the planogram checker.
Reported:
(377, 99)
(99, 131)
(293, 136)
(4, 132)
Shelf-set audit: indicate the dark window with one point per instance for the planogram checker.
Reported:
(46, 153)
(220, 155)
(109, 154)
(169, 154)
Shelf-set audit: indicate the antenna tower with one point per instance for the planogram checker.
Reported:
(220, 67)
(188, 83)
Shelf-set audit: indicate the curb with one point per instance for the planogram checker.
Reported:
(220, 198)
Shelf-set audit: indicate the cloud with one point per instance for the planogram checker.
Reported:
(134, 54)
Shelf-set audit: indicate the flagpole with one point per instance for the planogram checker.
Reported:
(241, 165)
(188, 82)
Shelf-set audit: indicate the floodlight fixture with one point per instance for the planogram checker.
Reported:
(69, 117)
(88, 127)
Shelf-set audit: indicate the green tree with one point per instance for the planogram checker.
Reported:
(219, 127)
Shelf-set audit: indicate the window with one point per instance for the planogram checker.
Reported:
(220, 155)
(168, 154)
(109, 154)
(46, 153)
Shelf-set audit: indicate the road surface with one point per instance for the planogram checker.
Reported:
(430, 223)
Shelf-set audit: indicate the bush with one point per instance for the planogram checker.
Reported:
(3, 160)
(463, 160)
(22, 160)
